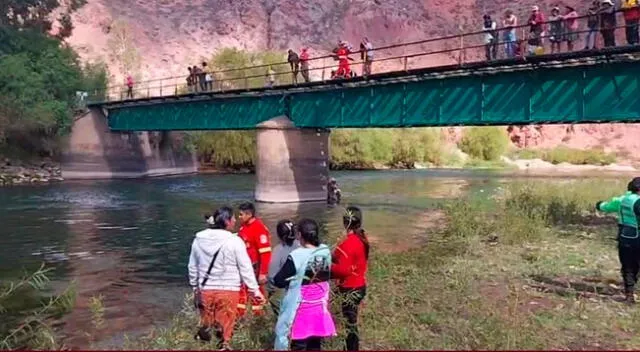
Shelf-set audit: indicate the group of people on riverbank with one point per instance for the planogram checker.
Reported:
(560, 27)
(230, 273)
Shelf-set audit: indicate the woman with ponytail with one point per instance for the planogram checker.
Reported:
(287, 235)
(304, 319)
(349, 266)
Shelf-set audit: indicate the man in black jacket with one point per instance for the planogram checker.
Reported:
(294, 62)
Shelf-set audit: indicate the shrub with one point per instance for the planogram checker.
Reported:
(593, 156)
(487, 143)
(227, 149)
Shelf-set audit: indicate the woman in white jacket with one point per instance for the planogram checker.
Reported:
(217, 265)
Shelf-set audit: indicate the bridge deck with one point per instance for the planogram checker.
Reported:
(581, 87)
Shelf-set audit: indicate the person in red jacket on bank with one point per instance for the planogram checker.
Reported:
(350, 269)
(257, 238)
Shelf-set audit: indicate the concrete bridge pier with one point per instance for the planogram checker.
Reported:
(292, 164)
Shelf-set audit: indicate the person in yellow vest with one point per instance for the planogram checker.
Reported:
(627, 207)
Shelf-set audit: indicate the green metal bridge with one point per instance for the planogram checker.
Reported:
(583, 87)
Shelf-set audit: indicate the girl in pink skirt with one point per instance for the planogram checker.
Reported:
(304, 319)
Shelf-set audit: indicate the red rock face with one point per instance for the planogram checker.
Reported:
(173, 34)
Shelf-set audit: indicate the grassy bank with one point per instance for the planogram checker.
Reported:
(368, 148)
(592, 156)
(536, 269)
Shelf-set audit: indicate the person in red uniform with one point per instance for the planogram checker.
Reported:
(257, 238)
(350, 269)
(344, 69)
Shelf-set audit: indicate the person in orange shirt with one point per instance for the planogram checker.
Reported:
(257, 238)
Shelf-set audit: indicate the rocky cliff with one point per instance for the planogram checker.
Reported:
(170, 35)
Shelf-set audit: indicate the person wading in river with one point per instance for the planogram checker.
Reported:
(627, 207)
(350, 268)
(257, 239)
(334, 195)
(287, 236)
(218, 263)
(304, 319)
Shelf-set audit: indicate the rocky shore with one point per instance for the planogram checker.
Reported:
(16, 172)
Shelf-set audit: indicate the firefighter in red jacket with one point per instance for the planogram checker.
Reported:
(342, 53)
(258, 241)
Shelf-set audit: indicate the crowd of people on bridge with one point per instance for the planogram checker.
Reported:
(562, 26)
(232, 275)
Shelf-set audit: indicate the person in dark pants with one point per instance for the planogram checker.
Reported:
(627, 207)
(294, 62)
(349, 266)
(631, 13)
(608, 23)
(304, 64)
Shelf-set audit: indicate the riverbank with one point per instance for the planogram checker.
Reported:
(46, 171)
(538, 270)
(16, 172)
(487, 264)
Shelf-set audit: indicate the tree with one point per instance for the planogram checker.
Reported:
(35, 14)
(122, 48)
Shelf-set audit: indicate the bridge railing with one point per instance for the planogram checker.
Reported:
(460, 49)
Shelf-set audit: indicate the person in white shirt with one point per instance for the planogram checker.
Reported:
(490, 37)
(217, 265)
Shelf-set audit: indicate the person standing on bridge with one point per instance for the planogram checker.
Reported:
(536, 29)
(627, 207)
(129, 82)
(304, 64)
(342, 54)
(593, 24)
(202, 77)
(366, 55)
(218, 264)
(190, 80)
(270, 77)
(556, 30)
(571, 27)
(490, 37)
(510, 23)
(294, 62)
(257, 239)
(608, 23)
(631, 13)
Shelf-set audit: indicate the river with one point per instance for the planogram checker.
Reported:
(129, 240)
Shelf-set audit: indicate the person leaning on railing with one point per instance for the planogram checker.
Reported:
(631, 13)
(608, 23)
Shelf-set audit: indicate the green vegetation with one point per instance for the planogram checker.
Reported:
(593, 156)
(537, 269)
(485, 143)
(227, 149)
(232, 59)
(39, 78)
(26, 314)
